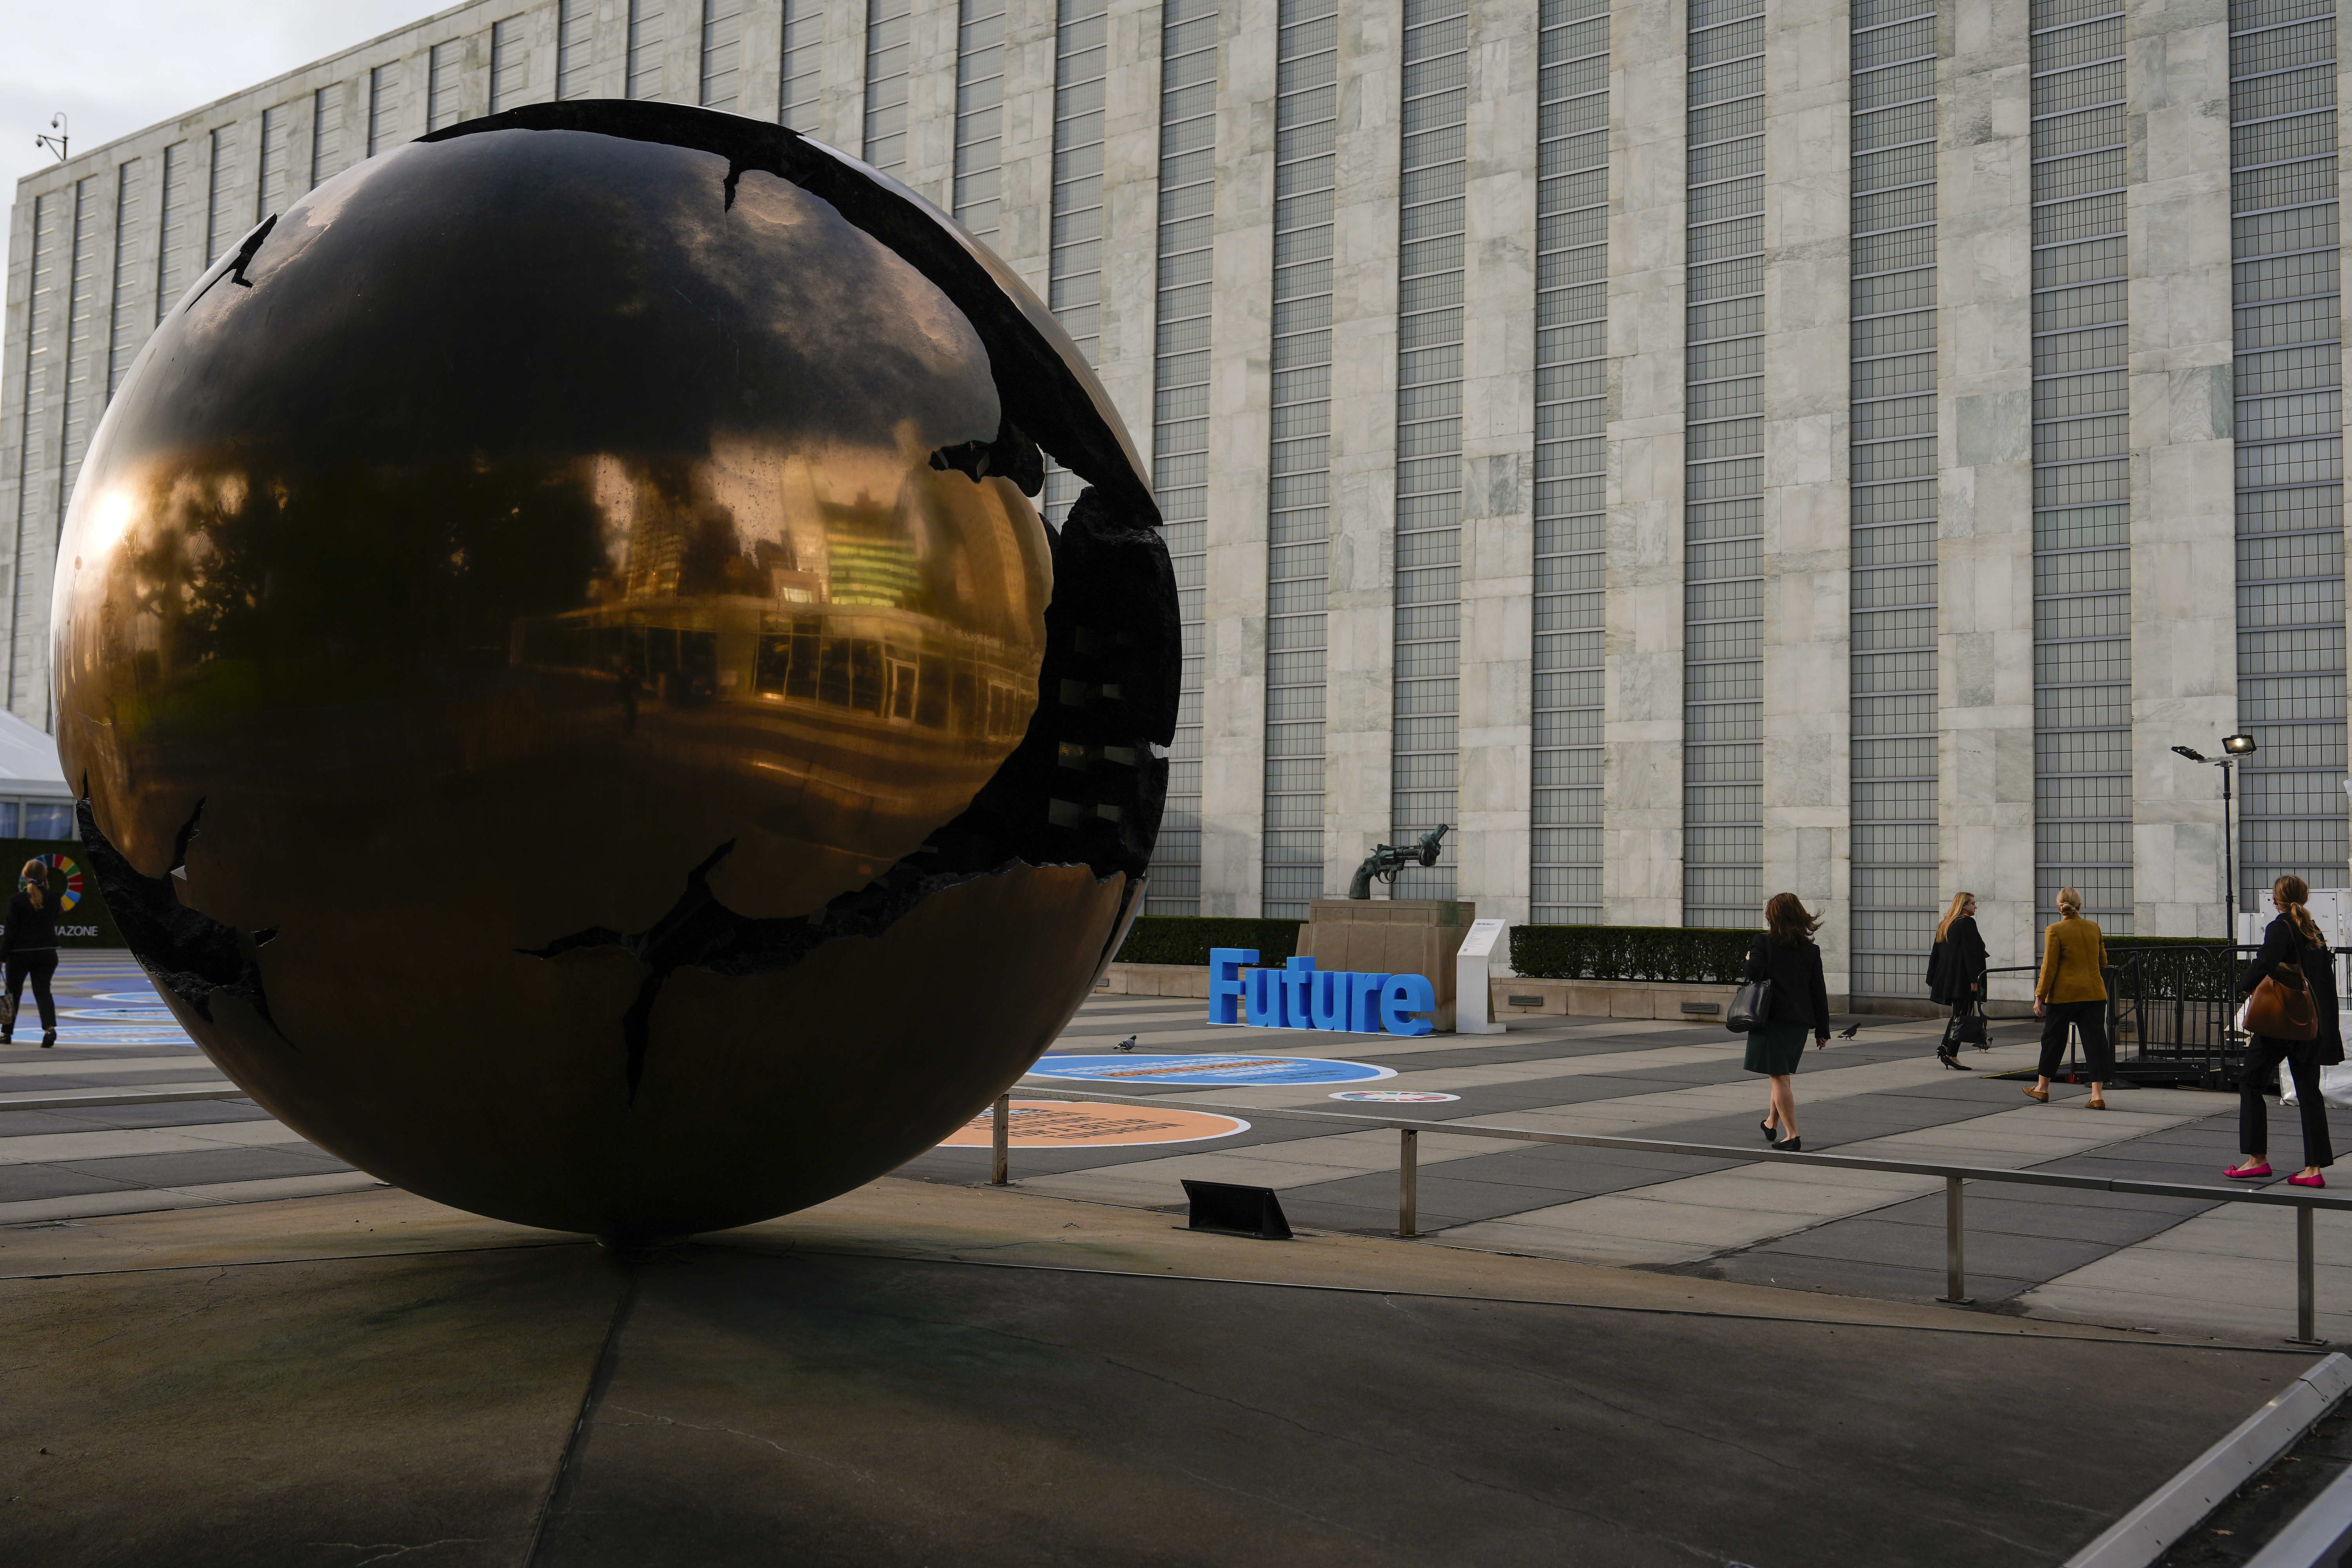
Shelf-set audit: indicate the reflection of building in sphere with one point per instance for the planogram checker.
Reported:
(680, 574)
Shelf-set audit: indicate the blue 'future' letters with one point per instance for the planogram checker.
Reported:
(1300, 996)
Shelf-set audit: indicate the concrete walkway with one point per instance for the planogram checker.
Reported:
(918, 1373)
(2182, 1265)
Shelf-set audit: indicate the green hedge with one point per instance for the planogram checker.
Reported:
(1187, 939)
(1706, 954)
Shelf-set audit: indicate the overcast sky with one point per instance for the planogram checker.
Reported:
(117, 66)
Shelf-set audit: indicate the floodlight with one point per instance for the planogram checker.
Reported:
(2238, 745)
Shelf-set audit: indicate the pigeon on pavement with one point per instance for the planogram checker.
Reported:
(1125, 1044)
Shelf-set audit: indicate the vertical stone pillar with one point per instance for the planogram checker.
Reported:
(1642, 807)
(1359, 669)
(1233, 737)
(2184, 503)
(1025, 219)
(1498, 399)
(1984, 560)
(1807, 633)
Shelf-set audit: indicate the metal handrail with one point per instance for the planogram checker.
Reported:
(1955, 1237)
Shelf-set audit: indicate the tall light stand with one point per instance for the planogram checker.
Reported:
(2233, 748)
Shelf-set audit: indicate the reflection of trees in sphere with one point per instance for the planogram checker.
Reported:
(576, 705)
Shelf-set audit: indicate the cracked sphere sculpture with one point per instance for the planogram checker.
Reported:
(572, 701)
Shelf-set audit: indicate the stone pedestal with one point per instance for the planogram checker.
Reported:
(1391, 936)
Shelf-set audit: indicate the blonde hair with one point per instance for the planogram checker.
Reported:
(2292, 893)
(1959, 902)
(2069, 903)
(35, 876)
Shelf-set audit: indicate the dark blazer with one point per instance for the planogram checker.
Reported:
(2282, 944)
(27, 928)
(1799, 995)
(1958, 961)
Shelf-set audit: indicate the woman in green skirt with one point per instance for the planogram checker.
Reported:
(1785, 955)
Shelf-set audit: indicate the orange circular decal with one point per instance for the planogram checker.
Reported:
(1063, 1124)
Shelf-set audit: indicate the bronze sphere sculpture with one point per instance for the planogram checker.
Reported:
(573, 703)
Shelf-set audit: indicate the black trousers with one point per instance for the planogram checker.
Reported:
(36, 966)
(2253, 1115)
(2091, 1018)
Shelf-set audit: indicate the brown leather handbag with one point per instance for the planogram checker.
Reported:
(2282, 1007)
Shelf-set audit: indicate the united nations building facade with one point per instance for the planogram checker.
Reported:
(1694, 450)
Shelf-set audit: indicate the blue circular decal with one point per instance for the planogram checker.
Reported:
(1231, 1071)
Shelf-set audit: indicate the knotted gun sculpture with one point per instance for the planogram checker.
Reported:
(1387, 859)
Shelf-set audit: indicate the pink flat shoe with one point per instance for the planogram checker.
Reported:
(2249, 1172)
(2307, 1181)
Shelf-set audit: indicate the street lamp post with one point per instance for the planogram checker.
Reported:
(2233, 748)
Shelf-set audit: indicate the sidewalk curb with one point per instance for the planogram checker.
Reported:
(2170, 1512)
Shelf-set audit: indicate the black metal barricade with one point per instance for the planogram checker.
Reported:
(2170, 1012)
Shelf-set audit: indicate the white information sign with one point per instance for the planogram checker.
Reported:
(1470, 984)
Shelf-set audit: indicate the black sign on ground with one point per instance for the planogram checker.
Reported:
(1246, 1211)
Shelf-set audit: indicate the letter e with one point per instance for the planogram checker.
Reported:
(1404, 995)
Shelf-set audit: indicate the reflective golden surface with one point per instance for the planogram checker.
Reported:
(532, 519)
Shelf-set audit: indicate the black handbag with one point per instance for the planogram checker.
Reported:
(1751, 1008)
(1969, 1029)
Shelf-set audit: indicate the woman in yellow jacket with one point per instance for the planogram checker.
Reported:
(2072, 992)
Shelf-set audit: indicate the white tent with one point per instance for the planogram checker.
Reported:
(29, 763)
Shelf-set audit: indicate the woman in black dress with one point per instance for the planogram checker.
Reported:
(2293, 941)
(1955, 971)
(1785, 955)
(29, 948)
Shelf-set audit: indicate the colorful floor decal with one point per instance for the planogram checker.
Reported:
(1057, 1125)
(1396, 1096)
(1232, 1071)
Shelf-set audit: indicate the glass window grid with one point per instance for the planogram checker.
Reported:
(1074, 279)
(444, 68)
(2082, 726)
(2292, 810)
(1181, 427)
(1306, 63)
(270, 190)
(43, 310)
(1424, 748)
(979, 115)
(383, 92)
(801, 66)
(220, 223)
(128, 322)
(575, 47)
(82, 398)
(325, 133)
(1723, 500)
(174, 262)
(722, 52)
(648, 32)
(509, 63)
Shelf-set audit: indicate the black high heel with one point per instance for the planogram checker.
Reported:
(1790, 1146)
(1952, 1062)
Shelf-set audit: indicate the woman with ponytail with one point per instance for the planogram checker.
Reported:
(2291, 946)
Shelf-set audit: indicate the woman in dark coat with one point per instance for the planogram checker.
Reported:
(2293, 940)
(1785, 955)
(29, 951)
(1955, 971)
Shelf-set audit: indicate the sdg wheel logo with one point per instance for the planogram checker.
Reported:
(63, 865)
